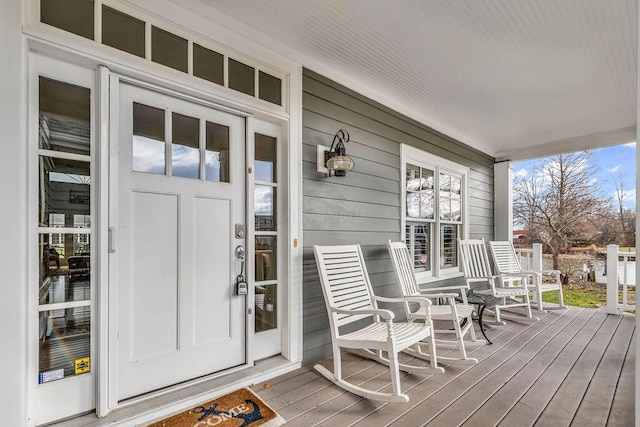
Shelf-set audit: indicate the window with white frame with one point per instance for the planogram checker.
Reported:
(434, 211)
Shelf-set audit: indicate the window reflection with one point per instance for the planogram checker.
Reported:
(266, 302)
(185, 148)
(265, 158)
(148, 139)
(64, 334)
(65, 343)
(266, 258)
(64, 191)
(217, 153)
(264, 205)
(420, 192)
(64, 203)
(64, 117)
(450, 197)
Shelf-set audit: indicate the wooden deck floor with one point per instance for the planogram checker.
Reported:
(572, 367)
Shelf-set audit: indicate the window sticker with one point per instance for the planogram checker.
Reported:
(82, 365)
(45, 377)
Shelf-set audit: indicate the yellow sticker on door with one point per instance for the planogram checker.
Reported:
(82, 365)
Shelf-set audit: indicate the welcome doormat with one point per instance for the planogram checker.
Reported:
(242, 408)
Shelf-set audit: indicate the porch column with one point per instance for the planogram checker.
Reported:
(503, 200)
(612, 279)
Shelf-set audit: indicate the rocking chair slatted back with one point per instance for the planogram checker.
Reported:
(343, 270)
(504, 256)
(404, 269)
(475, 261)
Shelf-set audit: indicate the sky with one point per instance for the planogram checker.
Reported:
(617, 162)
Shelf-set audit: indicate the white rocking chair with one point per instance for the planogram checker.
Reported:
(349, 298)
(507, 263)
(476, 268)
(451, 311)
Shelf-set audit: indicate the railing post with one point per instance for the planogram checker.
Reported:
(612, 279)
(537, 257)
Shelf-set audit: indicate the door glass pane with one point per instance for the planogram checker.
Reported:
(448, 247)
(64, 117)
(148, 139)
(266, 151)
(65, 343)
(265, 208)
(266, 301)
(266, 258)
(185, 149)
(64, 191)
(418, 239)
(65, 267)
(217, 153)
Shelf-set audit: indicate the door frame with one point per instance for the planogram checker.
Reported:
(103, 63)
(115, 80)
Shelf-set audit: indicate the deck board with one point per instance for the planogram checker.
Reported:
(572, 367)
(524, 376)
(468, 392)
(529, 407)
(622, 412)
(596, 403)
(566, 401)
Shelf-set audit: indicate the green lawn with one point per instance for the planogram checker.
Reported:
(579, 296)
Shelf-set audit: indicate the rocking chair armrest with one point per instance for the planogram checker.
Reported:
(550, 272)
(445, 288)
(531, 272)
(423, 301)
(385, 314)
(440, 295)
(516, 275)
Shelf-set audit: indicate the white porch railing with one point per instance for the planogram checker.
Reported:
(613, 279)
(531, 259)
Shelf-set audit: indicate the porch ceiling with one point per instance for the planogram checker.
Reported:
(512, 78)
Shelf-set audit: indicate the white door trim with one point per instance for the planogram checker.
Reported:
(115, 80)
(40, 65)
(57, 47)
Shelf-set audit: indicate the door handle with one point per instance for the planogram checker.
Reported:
(240, 252)
(112, 240)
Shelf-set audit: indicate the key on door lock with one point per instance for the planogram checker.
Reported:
(241, 283)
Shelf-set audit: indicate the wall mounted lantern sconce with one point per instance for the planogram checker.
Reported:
(334, 159)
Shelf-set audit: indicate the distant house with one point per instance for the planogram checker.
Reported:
(521, 236)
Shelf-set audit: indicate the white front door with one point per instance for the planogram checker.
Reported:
(180, 216)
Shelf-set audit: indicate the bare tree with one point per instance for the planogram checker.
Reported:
(626, 224)
(560, 197)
